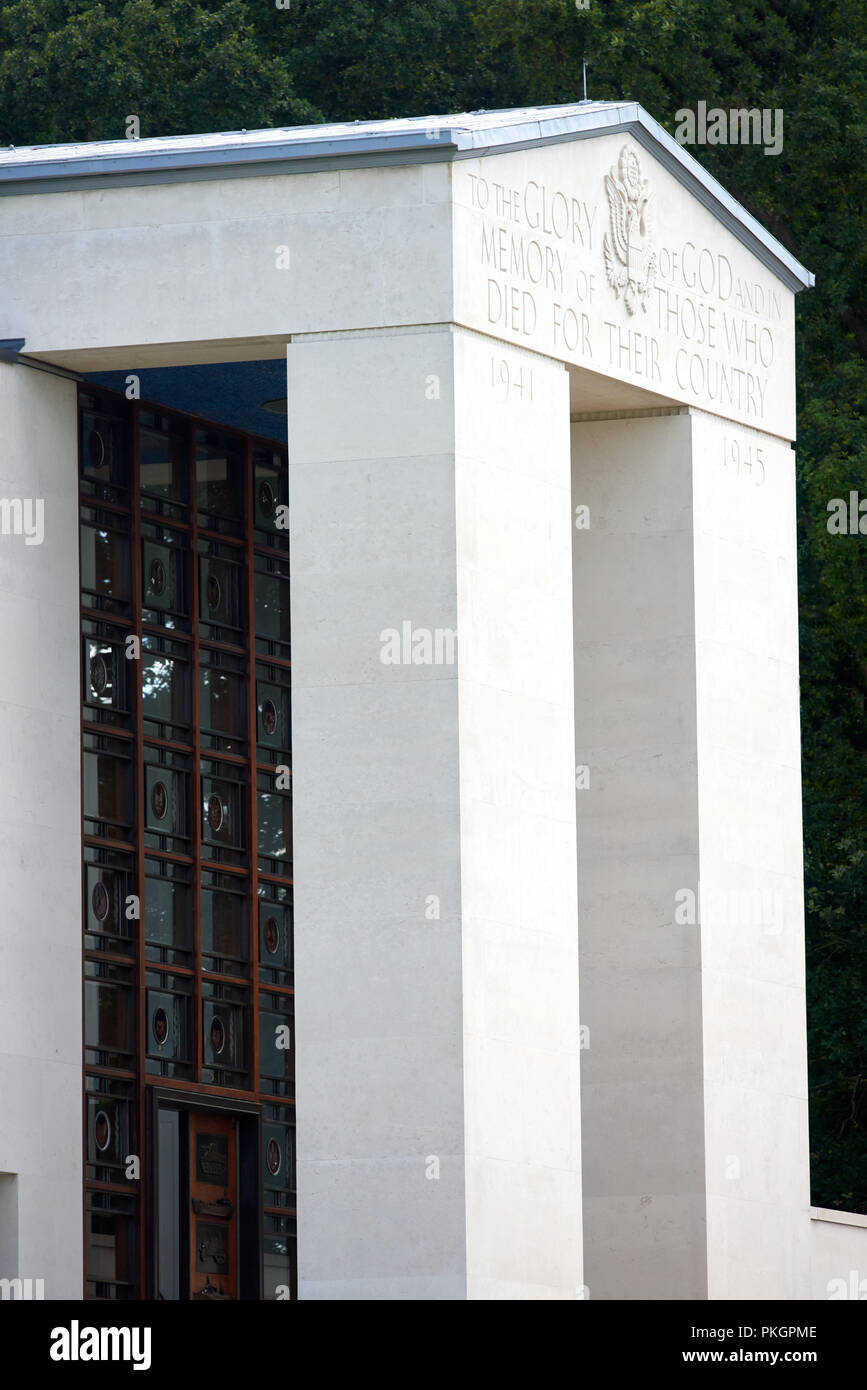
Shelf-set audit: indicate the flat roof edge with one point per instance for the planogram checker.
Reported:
(234, 157)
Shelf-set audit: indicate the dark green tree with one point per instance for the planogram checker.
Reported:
(75, 71)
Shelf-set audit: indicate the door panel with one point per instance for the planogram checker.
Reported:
(213, 1207)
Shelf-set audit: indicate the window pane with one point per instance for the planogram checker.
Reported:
(107, 780)
(163, 456)
(164, 583)
(223, 705)
(168, 912)
(110, 1246)
(168, 1037)
(165, 678)
(110, 1127)
(224, 816)
(167, 804)
(220, 597)
(108, 882)
(224, 1035)
(277, 1044)
(272, 607)
(105, 675)
(275, 934)
(104, 563)
(270, 497)
(278, 1155)
(104, 448)
(219, 469)
(274, 816)
(224, 929)
(109, 1015)
(273, 715)
(280, 1257)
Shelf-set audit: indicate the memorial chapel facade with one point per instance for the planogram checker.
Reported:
(403, 890)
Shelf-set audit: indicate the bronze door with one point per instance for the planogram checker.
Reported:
(213, 1207)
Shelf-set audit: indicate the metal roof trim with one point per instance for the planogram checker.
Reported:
(60, 168)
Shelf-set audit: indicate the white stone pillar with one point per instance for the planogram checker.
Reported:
(686, 674)
(40, 836)
(434, 855)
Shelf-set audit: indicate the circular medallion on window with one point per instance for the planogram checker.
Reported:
(98, 674)
(95, 448)
(273, 1157)
(215, 813)
(102, 1131)
(272, 936)
(99, 901)
(213, 592)
(160, 1027)
(269, 717)
(218, 1035)
(266, 498)
(159, 800)
(157, 579)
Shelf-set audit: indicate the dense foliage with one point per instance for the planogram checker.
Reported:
(75, 71)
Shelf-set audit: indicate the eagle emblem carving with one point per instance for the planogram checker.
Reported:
(630, 258)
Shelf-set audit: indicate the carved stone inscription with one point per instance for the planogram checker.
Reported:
(582, 274)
